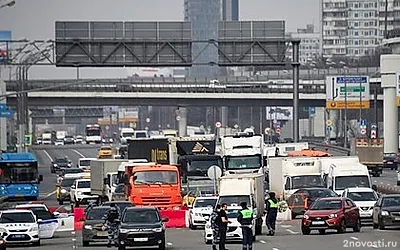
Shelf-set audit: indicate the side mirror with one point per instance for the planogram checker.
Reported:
(40, 177)
(374, 187)
(39, 220)
(165, 219)
(56, 214)
(106, 182)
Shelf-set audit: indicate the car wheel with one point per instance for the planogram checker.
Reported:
(357, 227)
(85, 243)
(36, 244)
(305, 230)
(321, 231)
(342, 227)
(381, 225)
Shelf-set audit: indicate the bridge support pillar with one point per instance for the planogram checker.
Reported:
(224, 117)
(182, 112)
(296, 95)
(3, 120)
(390, 79)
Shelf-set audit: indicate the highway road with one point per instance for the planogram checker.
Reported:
(288, 237)
(388, 177)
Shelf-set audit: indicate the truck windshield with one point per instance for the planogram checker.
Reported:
(19, 173)
(234, 200)
(93, 132)
(306, 181)
(243, 162)
(84, 184)
(127, 134)
(156, 177)
(200, 167)
(343, 182)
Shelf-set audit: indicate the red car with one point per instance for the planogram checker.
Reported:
(335, 213)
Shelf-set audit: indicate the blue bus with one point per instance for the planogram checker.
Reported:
(19, 176)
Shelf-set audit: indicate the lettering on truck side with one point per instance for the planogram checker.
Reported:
(159, 155)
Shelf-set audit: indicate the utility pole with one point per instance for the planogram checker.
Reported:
(386, 19)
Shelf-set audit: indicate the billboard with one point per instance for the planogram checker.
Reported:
(279, 113)
(347, 92)
(5, 38)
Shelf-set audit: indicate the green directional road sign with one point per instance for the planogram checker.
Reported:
(352, 89)
(28, 140)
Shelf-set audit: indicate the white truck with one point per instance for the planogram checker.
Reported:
(249, 188)
(348, 175)
(285, 148)
(326, 162)
(47, 138)
(127, 134)
(287, 175)
(60, 135)
(243, 153)
(104, 177)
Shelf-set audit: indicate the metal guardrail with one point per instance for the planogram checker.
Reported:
(331, 148)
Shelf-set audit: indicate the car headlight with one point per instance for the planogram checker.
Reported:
(384, 213)
(63, 191)
(88, 227)
(123, 230)
(3, 230)
(69, 164)
(157, 230)
(333, 216)
(208, 226)
(306, 217)
(54, 165)
(79, 193)
(1, 242)
(34, 229)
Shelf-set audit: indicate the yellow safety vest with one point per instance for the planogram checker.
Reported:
(247, 214)
(272, 204)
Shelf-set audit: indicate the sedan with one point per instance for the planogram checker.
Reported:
(331, 213)
(303, 198)
(387, 211)
(94, 227)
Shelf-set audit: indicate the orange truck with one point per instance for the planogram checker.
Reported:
(154, 185)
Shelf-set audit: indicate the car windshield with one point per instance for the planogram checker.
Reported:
(307, 181)
(120, 189)
(22, 217)
(200, 167)
(62, 160)
(232, 213)
(43, 214)
(343, 182)
(106, 149)
(141, 216)
(391, 202)
(156, 177)
(84, 184)
(127, 134)
(67, 182)
(319, 193)
(84, 163)
(205, 202)
(327, 205)
(120, 205)
(363, 196)
(97, 213)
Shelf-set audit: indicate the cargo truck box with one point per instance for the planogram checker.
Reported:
(153, 150)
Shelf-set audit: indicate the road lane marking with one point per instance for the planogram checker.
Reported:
(263, 242)
(286, 226)
(50, 194)
(292, 232)
(79, 153)
(354, 238)
(48, 155)
(169, 244)
(274, 248)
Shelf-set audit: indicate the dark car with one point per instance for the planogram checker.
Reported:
(120, 204)
(94, 227)
(303, 198)
(142, 226)
(63, 190)
(335, 213)
(2, 242)
(390, 160)
(59, 164)
(387, 211)
(69, 140)
(71, 171)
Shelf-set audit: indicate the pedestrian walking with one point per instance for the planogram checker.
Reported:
(111, 218)
(245, 218)
(214, 226)
(272, 213)
(223, 226)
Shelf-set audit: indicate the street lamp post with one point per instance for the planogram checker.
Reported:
(9, 4)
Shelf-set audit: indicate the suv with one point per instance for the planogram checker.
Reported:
(19, 227)
(63, 190)
(80, 192)
(59, 164)
(141, 226)
(94, 228)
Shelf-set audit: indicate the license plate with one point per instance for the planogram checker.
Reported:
(365, 215)
(102, 234)
(318, 222)
(18, 236)
(141, 239)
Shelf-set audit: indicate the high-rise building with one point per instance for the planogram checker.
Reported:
(230, 10)
(204, 16)
(310, 42)
(355, 28)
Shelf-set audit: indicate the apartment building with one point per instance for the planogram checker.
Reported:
(310, 43)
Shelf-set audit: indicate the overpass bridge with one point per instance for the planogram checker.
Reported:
(237, 91)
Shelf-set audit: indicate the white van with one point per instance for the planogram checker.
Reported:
(348, 175)
(84, 163)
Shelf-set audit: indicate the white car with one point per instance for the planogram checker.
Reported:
(80, 192)
(200, 213)
(19, 227)
(234, 232)
(365, 199)
(59, 142)
(79, 139)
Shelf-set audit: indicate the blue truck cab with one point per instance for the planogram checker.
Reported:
(19, 176)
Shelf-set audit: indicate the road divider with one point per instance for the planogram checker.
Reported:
(388, 189)
(176, 218)
(79, 217)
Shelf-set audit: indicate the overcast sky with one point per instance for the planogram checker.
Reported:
(34, 19)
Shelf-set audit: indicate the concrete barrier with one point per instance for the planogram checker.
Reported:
(388, 189)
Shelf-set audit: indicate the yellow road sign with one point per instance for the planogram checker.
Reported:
(349, 105)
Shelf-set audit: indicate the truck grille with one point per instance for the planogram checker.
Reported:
(155, 200)
(366, 208)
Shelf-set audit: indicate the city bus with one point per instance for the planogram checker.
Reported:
(19, 176)
(93, 134)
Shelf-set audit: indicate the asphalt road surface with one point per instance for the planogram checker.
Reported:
(388, 177)
(288, 237)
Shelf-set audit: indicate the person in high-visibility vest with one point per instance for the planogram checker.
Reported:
(245, 218)
(272, 213)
